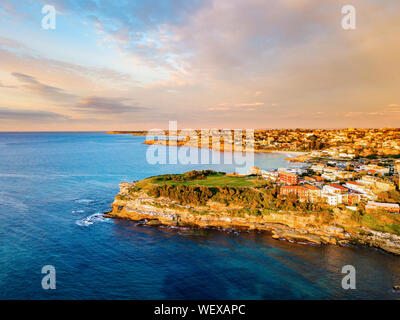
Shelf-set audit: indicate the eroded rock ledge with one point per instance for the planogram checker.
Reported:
(290, 226)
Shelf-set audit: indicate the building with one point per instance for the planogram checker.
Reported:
(351, 198)
(376, 168)
(385, 186)
(329, 176)
(313, 193)
(309, 179)
(347, 155)
(333, 199)
(376, 183)
(288, 178)
(319, 167)
(355, 186)
(397, 167)
(331, 169)
(255, 170)
(304, 193)
(333, 194)
(299, 191)
(344, 175)
(318, 178)
(334, 189)
(270, 175)
(368, 180)
(396, 180)
(389, 207)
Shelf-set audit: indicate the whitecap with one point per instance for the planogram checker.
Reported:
(77, 211)
(84, 200)
(97, 217)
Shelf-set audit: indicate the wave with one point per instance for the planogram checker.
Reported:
(97, 217)
(84, 200)
(77, 211)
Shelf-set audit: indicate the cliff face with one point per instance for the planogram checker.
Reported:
(283, 225)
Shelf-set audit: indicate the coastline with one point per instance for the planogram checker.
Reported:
(289, 226)
(184, 143)
(292, 154)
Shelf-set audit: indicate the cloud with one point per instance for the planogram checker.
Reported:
(242, 105)
(12, 44)
(30, 83)
(103, 105)
(5, 86)
(17, 57)
(138, 27)
(252, 104)
(291, 54)
(394, 105)
(33, 115)
(245, 106)
(219, 109)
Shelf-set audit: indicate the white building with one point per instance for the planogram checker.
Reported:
(333, 188)
(333, 199)
(329, 176)
(355, 186)
(270, 175)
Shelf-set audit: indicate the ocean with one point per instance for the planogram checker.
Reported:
(54, 188)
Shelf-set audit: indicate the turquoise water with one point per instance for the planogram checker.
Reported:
(53, 187)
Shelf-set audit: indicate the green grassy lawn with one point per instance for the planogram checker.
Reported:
(379, 223)
(215, 181)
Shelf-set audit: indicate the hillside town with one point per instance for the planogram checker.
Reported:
(336, 143)
(357, 169)
(364, 184)
(346, 143)
(353, 168)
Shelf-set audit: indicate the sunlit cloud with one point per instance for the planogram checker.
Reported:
(5, 86)
(241, 105)
(219, 109)
(34, 115)
(102, 105)
(35, 86)
(288, 62)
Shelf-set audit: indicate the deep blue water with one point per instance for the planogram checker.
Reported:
(52, 185)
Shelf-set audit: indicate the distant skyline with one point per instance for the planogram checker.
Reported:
(132, 65)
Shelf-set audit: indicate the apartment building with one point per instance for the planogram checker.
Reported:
(288, 178)
(299, 191)
(389, 207)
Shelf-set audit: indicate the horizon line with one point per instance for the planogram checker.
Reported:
(138, 130)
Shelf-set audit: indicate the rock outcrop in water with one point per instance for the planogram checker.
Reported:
(139, 206)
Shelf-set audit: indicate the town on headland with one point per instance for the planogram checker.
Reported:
(344, 190)
(347, 143)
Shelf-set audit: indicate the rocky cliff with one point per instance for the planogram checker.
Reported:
(292, 226)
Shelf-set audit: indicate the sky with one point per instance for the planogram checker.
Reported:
(138, 64)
